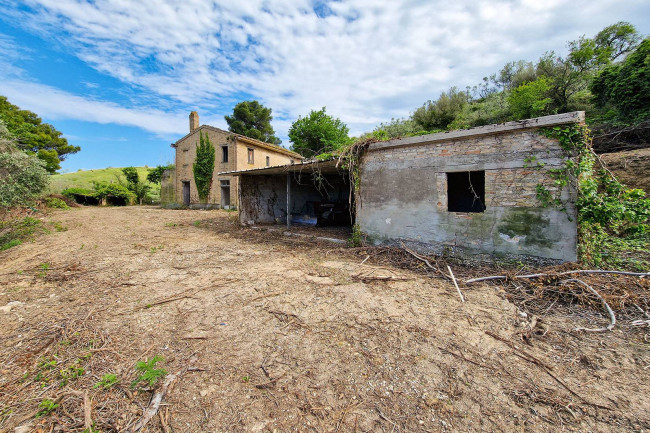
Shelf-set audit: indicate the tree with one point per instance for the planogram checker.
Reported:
(139, 188)
(41, 139)
(439, 114)
(530, 99)
(203, 167)
(252, 119)
(155, 174)
(317, 133)
(624, 88)
(22, 177)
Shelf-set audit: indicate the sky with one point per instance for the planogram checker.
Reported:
(119, 78)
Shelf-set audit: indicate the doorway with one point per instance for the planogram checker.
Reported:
(225, 194)
(186, 193)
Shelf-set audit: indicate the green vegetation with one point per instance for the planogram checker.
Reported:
(83, 181)
(34, 136)
(317, 133)
(15, 232)
(23, 176)
(252, 119)
(46, 407)
(155, 174)
(203, 167)
(108, 381)
(55, 203)
(138, 187)
(148, 371)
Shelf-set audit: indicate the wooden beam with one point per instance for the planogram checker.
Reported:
(288, 200)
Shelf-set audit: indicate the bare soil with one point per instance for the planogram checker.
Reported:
(631, 167)
(275, 333)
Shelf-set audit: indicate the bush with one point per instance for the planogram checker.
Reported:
(15, 232)
(81, 196)
(22, 179)
(114, 194)
(55, 203)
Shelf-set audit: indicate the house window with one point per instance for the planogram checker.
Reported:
(251, 156)
(224, 153)
(466, 191)
(225, 183)
(268, 161)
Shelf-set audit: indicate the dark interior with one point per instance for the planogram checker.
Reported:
(466, 191)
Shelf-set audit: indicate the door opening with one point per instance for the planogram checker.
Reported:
(225, 194)
(186, 193)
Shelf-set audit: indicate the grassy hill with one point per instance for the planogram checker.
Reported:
(85, 179)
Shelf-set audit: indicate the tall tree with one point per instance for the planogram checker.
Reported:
(439, 114)
(317, 133)
(34, 136)
(252, 119)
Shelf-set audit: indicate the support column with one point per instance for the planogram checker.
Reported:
(288, 200)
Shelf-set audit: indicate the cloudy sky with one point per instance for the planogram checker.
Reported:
(120, 77)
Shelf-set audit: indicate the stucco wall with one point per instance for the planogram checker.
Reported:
(237, 160)
(403, 194)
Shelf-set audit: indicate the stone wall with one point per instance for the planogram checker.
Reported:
(168, 189)
(404, 191)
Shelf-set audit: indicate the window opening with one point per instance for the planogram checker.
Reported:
(251, 157)
(268, 161)
(466, 191)
(224, 153)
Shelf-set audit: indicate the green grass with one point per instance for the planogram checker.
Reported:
(85, 179)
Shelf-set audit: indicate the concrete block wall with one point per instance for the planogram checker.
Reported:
(404, 189)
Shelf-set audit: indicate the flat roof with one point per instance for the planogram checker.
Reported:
(497, 128)
(325, 167)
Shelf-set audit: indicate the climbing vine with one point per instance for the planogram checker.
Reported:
(613, 221)
(203, 167)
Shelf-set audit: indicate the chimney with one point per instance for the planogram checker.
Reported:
(194, 121)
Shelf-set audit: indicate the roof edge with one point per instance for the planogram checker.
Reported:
(497, 128)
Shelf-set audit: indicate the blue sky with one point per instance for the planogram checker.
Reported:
(119, 78)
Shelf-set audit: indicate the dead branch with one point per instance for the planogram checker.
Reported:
(422, 259)
(88, 421)
(462, 299)
(154, 404)
(602, 300)
(527, 357)
(581, 271)
(264, 296)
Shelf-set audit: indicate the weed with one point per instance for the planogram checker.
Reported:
(108, 380)
(246, 379)
(196, 223)
(55, 203)
(356, 240)
(59, 227)
(92, 429)
(73, 372)
(44, 268)
(171, 225)
(148, 371)
(47, 407)
(12, 243)
(47, 364)
(81, 247)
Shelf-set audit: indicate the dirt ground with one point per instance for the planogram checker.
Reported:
(630, 167)
(274, 333)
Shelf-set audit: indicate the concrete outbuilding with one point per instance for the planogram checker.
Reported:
(464, 193)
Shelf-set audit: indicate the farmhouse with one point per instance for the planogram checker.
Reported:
(467, 192)
(232, 152)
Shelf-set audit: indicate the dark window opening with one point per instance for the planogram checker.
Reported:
(251, 156)
(224, 153)
(268, 161)
(466, 191)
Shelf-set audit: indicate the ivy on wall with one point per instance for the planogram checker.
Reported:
(613, 221)
(203, 167)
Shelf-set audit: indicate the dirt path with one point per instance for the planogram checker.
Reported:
(281, 334)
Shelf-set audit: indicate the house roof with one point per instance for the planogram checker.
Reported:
(244, 139)
(329, 166)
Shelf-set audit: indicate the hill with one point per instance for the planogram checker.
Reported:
(85, 179)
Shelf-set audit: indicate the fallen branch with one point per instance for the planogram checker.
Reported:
(156, 400)
(581, 271)
(462, 299)
(269, 295)
(368, 278)
(527, 357)
(88, 421)
(422, 259)
(612, 317)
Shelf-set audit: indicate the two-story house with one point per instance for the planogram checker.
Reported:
(233, 152)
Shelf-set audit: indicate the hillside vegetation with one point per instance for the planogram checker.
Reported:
(85, 179)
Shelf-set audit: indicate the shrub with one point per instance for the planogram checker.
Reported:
(115, 194)
(22, 179)
(81, 195)
(55, 203)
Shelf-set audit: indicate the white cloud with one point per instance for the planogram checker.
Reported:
(367, 61)
(56, 104)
